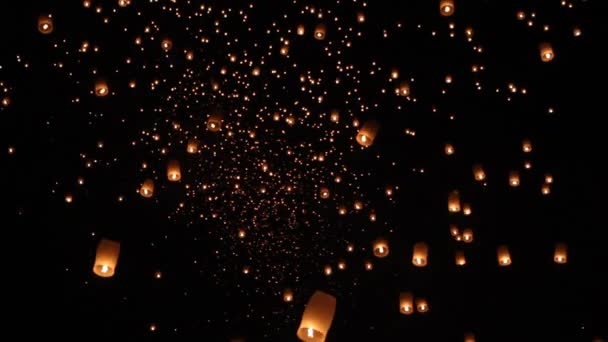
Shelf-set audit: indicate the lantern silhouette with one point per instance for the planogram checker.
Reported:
(367, 133)
(478, 173)
(526, 145)
(449, 149)
(381, 248)
(324, 193)
(504, 258)
(317, 317)
(147, 189)
(546, 52)
(406, 303)
(45, 24)
(514, 179)
(469, 337)
(242, 233)
(422, 305)
(106, 258)
(460, 258)
(446, 7)
(334, 116)
(467, 235)
(174, 173)
(454, 202)
(166, 44)
(287, 295)
(101, 88)
(419, 257)
(192, 146)
(320, 32)
(214, 123)
(561, 253)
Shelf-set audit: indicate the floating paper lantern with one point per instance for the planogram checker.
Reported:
(461, 260)
(106, 258)
(406, 303)
(342, 210)
(469, 337)
(381, 248)
(421, 305)
(358, 205)
(300, 30)
(317, 317)
(334, 116)
(324, 193)
(449, 149)
(546, 52)
(350, 248)
(341, 265)
(242, 233)
(545, 189)
(45, 24)
(361, 17)
(214, 123)
(404, 89)
(147, 189)
(369, 266)
(467, 235)
(419, 257)
(561, 253)
(526, 145)
(514, 179)
(287, 295)
(504, 258)
(454, 201)
(320, 32)
(388, 191)
(192, 146)
(124, 3)
(372, 216)
(174, 173)
(548, 178)
(466, 209)
(395, 74)
(478, 173)
(446, 7)
(327, 270)
(166, 44)
(101, 88)
(367, 133)
(189, 55)
(454, 230)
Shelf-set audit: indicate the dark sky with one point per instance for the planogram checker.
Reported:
(73, 164)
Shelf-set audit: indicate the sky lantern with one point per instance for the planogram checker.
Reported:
(334, 116)
(548, 178)
(317, 317)
(174, 173)
(358, 205)
(287, 295)
(446, 7)
(478, 173)
(192, 146)
(526, 145)
(147, 188)
(45, 24)
(327, 270)
(460, 258)
(404, 89)
(214, 123)
(101, 88)
(454, 201)
(381, 249)
(320, 32)
(342, 210)
(504, 257)
(242, 233)
(420, 255)
(466, 209)
(454, 230)
(367, 133)
(124, 3)
(300, 30)
(469, 337)
(166, 44)
(561, 253)
(406, 303)
(324, 193)
(545, 189)
(546, 52)
(514, 179)
(341, 265)
(467, 235)
(369, 265)
(422, 305)
(449, 149)
(106, 258)
(388, 191)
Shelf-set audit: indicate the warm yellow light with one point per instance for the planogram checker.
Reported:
(446, 7)
(546, 52)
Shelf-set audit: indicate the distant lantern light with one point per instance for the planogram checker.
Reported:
(124, 3)
(287, 295)
(372, 217)
(147, 188)
(341, 265)
(324, 193)
(334, 116)
(317, 317)
(358, 205)
(545, 189)
(548, 178)
(577, 32)
(521, 15)
(342, 210)
(388, 191)
(469, 337)
(422, 306)
(101, 88)
(45, 24)
(300, 30)
(166, 44)
(106, 258)
(284, 50)
(448, 79)
(320, 32)
(454, 230)
(467, 235)
(406, 303)
(514, 179)
(479, 173)
(350, 248)
(526, 145)
(404, 89)
(460, 258)
(242, 233)
(327, 270)
(546, 52)
(454, 201)
(361, 17)
(381, 249)
(174, 173)
(527, 165)
(449, 149)
(367, 133)
(420, 255)
(395, 74)
(560, 255)
(189, 55)
(214, 123)
(68, 198)
(369, 265)
(446, 7)
(466, 209)
(158, 274)
(504, 257)
(6, 101)
(192, 146)
(246, 270)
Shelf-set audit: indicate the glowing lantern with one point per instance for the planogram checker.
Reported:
(158, 274)
(421, 305)
(446, 7)
(101, 88)
(300, 30)
(68, 198)
(369, 266)
(287, 295)
(478, 173)
(449, 149)
(350, 248)
(358, 205)
(454, 201)
(466, 209)
(367, 133)
(467, 235)
(419, 257)
(214, 123)
(192, 146)
(514, 179)
(320, 32)
(504, 258)
(526, 145)
(527, 165)
(406, 303)
(561, 253)
(189, 55)
(124, 3)
(469, 337)
(45, 24)
(361, 17)
(454, 230)
(461, 260)
(166, 44)
(327, 270)
(342, 210)
(381, 248)
(317, 317)
(174, 173)
(404, 89)
(246, 269)
(546, 52)
(577, 32)
(147, 189)
(324, 193)
(394, 74)
(372, 217)
(341, 265)
(6, 101)
(548, 178)
(242, 233)
(106, 258)
(388, 191)
(545, 189)
(334, 116)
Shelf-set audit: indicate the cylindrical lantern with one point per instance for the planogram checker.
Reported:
(320, 32)
(514, 179)
(449, 149)
(381, 248)
(545, 189)
(101, 88)
(45, 24)
(317, 317)
(454, 201)
(422, 305)
(469, 337)
(548, 178)
(466, 209)
(467, 235)
(334, 116)
(174, 173)
(192, 146)
(147, 189)
(124, 3)
(300, 30)
(460, 258)
(406, 303)
(504, 258)
(454, 230)
(214, 123)
(404, 89)
(106, 258)
(166, 44)
(446, 7)
(287, 295)
(546, 52)
(342, 210)
(324, 193)
(478, 173)
(327, 270)
(561, 253)
(358, 205)
(367, 133)
(526, 145)
(419, 257)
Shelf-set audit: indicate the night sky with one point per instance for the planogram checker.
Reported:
(262, 105)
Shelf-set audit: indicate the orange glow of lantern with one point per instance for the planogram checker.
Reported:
(546, 52)
(124, 3)
(406, 303)
(317, 317)
(454, 201)
(367, 133)
(422, 305)
(214, 123)
(369, 266)
(242, 233)
(324, 193)
(514, 179)
(469, 337)
(166, 44)
(526, 145)
(404, 89)
(147, 188)
(101, 88)
(300, 30)
(561, 253)
(545, 189)
(341, 265)
(327, 270)
(381, 249)
(192, 146)
(449, 149)
(467, 235)
(548, 178)
(504, 257)
(454, 230)
(45, 24)
(320, 32)
(287, 295)
(419, 257)
(466, 209)
(350, 248)
(174, 173)
(478, 173)
(446, 7)
(388, 191)
(334, 116)
(106, 258)
(342, 210)
(460, 258)
(372, 217)
(358, 205)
